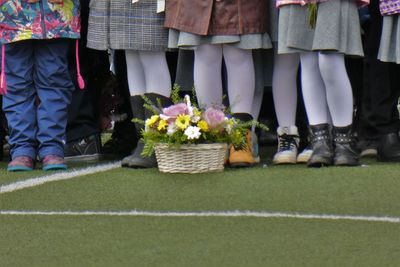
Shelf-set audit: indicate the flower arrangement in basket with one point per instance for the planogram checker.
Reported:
(188, 139)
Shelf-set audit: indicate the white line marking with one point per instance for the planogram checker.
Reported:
(57, 177)
(255, 214)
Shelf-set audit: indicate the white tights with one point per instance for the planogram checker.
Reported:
(326, 88)
(240, 75)
(284, 88)
(147, 73)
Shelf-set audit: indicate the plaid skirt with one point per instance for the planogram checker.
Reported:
(119, 24)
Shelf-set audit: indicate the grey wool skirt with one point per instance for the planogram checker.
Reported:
(337, 29)
(389, 50)
(187, 40)
(120, 24)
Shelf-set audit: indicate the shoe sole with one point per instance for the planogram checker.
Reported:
(241, 164)
(303, 159)
(282, 162)
(54, 167)
(19, 169)
(319, 162)
(369, 153)
(85, 158)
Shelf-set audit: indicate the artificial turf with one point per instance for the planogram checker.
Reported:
(373, 189)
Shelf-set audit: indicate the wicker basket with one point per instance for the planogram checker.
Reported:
(191, 158)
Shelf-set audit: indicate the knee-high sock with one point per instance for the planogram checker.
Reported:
(156, 72)
(134, 68)
(313, 89)
(338, 88)
(241, 78)
(207, 74)
(284, 88)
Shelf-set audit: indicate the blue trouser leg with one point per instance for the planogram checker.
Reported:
(54, 88)
(19, 102)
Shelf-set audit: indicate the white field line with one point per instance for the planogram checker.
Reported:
(32, 182)
(230, 214)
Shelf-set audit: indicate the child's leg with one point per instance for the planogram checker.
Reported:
(241, 86)
(313, 89)
(19, 102)
(156, 72)
(147, 73)
(284, 87)
(317, 110)
(340, 100)
(241, 78)
(54, 88)
(134, 69)
(207, 74)
(338, 88)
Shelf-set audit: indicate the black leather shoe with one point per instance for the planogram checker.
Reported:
(389, 148)
(346, 153)
(321, 142)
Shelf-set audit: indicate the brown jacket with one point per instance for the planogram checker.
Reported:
(217, 17)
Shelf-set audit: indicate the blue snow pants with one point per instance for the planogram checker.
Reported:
(39, 89)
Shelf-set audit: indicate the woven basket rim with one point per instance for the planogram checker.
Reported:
(192, 146)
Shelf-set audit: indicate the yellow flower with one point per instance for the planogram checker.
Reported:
(196, 112)
(150, 122)
(203, 125)
(182, 121)
(162, 125)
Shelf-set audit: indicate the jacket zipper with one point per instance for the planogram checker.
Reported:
(42, 19)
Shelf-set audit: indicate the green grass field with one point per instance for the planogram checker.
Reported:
(125, 240)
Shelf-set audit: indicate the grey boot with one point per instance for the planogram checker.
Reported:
(136, 160)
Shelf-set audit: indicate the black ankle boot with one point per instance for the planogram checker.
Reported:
(389, 148)
(136, 160)
(346, 153)
(321, 142)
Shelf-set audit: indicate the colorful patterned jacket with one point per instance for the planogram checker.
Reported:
(389, 7)
(20, 20)
(280, 3)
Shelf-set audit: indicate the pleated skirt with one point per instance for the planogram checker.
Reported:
(185, 40)
(337, 29)
(389, 50)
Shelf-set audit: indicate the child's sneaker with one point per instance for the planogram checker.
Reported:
(288, 142)
(53, 163)
(305, 154)
(20, 163)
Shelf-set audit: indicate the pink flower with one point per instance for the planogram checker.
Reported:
(171, 113)
(213, 117)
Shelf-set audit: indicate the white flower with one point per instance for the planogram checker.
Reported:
(192, 132)
(171, 129)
